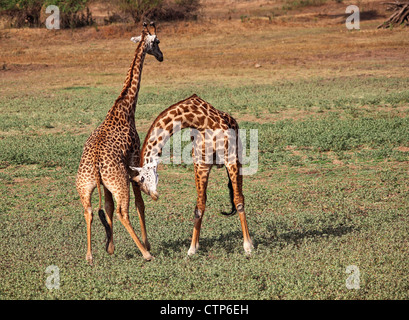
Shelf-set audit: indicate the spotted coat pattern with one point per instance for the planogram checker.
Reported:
(198, 114)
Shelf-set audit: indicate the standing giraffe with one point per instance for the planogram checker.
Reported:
(111, 149)
(217, 137)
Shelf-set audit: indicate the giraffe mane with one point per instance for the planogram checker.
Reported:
(149, 133)
(129, 77)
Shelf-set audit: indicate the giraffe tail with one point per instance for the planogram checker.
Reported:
(233, 207)
(103, 219)
(101, 213)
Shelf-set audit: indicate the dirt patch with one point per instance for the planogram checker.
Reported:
(213, 50)
(403, 149)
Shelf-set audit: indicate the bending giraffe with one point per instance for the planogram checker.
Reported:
(216, 140)
(111, 149)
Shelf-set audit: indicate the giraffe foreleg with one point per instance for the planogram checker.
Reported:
(201, 179)
(140, 207)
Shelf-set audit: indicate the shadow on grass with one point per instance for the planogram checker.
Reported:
(363, 15)
(295, 237)
(229, 240)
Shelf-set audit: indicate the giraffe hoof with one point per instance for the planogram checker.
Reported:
(248, 248)
(148, 257)
(110, 248)
(192, 250)
(89, 259)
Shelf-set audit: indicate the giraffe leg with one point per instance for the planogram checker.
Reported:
(109, 209)
(119, 188)
(140, 207)
(122, 212)
(201, 179)
(86, 203)
(238, 199)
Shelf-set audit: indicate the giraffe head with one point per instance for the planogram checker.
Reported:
(151, 42)
(147, 178)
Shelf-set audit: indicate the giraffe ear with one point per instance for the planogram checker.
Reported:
(136, 39)
(135, 169)
(155, 162)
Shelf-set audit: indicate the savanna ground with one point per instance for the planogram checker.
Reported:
(332, 111)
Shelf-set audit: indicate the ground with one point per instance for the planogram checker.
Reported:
(331, 190)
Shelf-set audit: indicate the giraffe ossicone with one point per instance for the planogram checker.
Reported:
(151, 45)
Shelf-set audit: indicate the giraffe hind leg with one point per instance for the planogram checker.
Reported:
(85, 195)
(122, 213)
(121, 194)
(231, 194)
(237, 185)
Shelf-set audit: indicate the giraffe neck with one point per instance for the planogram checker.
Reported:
(126, 102)
(192, 112)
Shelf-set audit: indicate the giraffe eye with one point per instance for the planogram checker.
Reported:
(142, 179)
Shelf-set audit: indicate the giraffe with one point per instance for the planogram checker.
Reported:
(109, 151)
(217, 132)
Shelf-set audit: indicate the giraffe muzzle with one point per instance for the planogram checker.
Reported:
(159, 57)
(154, 195)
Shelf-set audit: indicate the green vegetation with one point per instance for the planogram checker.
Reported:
(31, 12)
(76, 13)
(331, 191)
(295, 4)
(159, 9)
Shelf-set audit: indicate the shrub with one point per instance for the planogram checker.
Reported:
(138, 8)
(73, 13)
(159, 9)
(22, 12)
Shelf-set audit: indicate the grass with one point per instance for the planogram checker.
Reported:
(331, 189)
(330, 192)
(294, 4)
